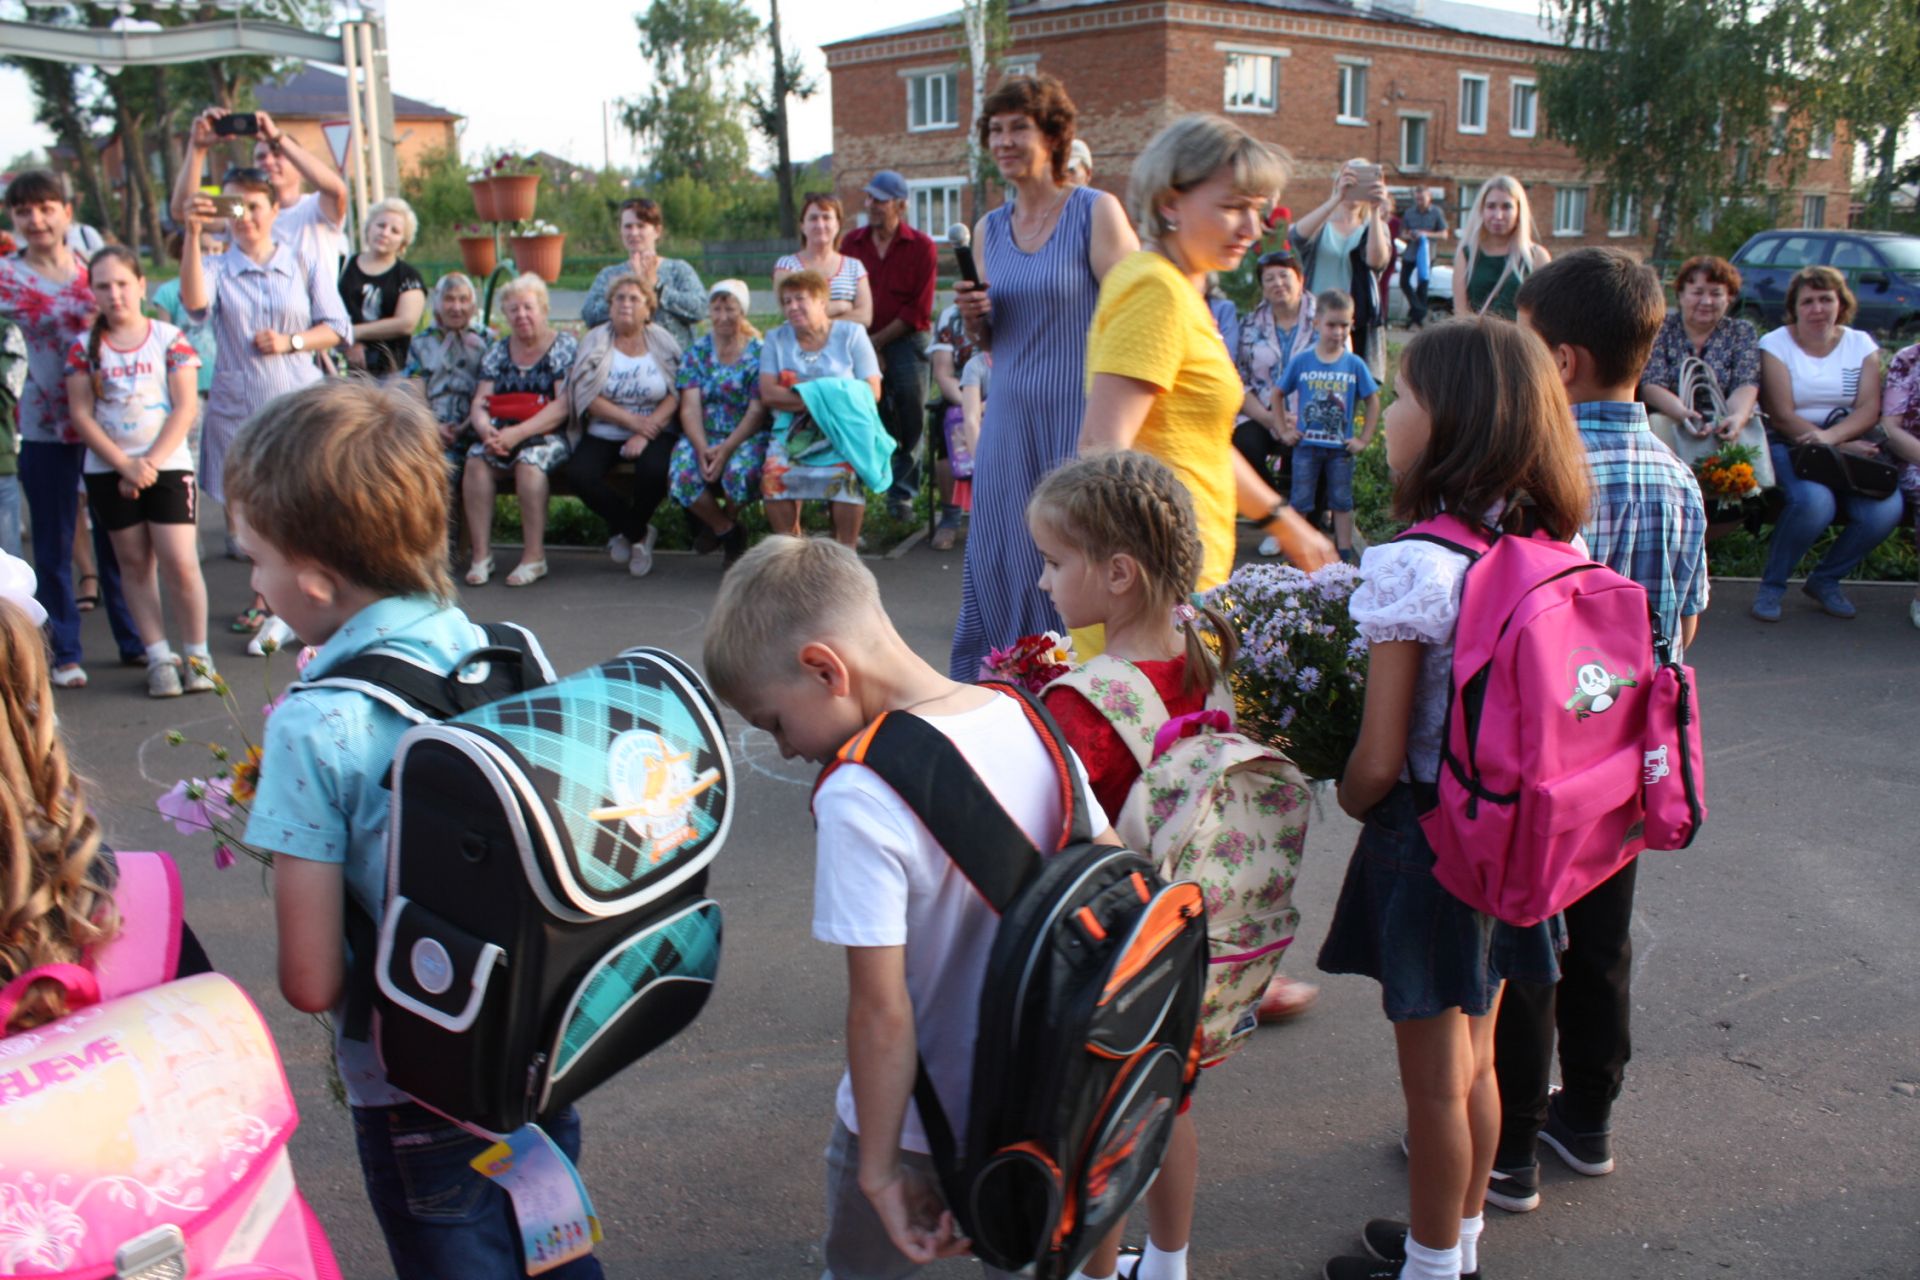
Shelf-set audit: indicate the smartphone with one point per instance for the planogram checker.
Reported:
(229, 206)
(1366, 175)
(237, 123)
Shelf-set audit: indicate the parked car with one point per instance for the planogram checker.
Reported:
(1439, 291)
(1882, 268)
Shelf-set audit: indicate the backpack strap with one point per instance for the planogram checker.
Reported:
(1453, 533)
(146, 951)
(1137, 736)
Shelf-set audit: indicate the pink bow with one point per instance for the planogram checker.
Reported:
(1186, 726)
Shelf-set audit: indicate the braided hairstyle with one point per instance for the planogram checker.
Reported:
(98, 332)
(54, 899)
(1129, 503)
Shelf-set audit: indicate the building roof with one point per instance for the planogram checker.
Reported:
(1445, 15)
(320, 92)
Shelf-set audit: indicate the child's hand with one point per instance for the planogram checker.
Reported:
(1356, 447)
(916, 1218)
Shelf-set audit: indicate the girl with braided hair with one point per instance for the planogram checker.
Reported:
(1120, 547)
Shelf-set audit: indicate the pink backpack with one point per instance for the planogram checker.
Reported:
(1541, 782)
(145, 1133)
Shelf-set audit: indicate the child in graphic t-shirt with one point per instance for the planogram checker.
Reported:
(131, 386)
(1335, 386)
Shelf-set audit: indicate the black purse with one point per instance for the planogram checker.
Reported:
(1847, 474)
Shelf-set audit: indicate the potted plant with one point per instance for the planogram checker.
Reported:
(538, 246)
(504, 190)
(478, 253)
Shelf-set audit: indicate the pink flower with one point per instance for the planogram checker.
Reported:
(222, 857)
(193, 805)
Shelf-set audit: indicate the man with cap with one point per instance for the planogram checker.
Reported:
(1079, 163)
(901, 264)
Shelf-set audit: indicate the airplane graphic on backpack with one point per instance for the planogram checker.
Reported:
(1555, 702)
(546, 922)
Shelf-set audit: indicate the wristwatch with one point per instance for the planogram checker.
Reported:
(299, 341)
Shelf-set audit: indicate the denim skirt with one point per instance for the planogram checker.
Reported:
(1429, 951)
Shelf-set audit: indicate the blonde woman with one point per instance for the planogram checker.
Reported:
(385, 296)
(1498, 248)
(849, 291)
(1345, 244)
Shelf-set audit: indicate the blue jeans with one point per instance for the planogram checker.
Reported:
(903, 398)
(1810, 509)
(1310, 462)
(441, 1218)
(50, 479)
(10, 515)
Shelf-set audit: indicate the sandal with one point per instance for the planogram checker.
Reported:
(527, 574)
(248, 620)
(71, 676)
(1286, 998)
(88, 601)
(480, 572)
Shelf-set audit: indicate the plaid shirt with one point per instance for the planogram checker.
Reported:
(1648, 521)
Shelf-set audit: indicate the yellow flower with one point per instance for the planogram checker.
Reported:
(246, 776)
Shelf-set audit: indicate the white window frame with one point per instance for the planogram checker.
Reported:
(1241, 53)
(1623, 214)
(1514, 86)
(1807, 202)
(1820, 142)
(1560, 227)
(1425, 120)
(950, 78)
(954, 205)
(1351, 72)
(1020, 64)
(1779, 126)
(1469, 191)
(1486, 94)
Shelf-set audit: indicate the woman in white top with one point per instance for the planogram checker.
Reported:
(849, 292)
(1344, 244)
(1819, 384)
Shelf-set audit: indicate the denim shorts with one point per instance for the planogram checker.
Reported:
(1310, 462)
(439, 1215)
(1429, 951)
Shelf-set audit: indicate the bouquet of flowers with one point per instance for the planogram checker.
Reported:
(533, 227)
(1031, 661)
(1301, 675)
(1726, 475)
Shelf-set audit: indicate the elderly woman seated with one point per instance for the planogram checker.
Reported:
(622, 393)
(724, 445)
(519, 421)
(1700, 328)
(827, 437)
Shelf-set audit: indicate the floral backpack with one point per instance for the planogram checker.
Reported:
(1215, 807)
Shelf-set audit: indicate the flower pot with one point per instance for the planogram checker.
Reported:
(478, 256)
(541, 255)
(485, 208)
(514, 195)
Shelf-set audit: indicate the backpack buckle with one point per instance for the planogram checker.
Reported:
(159, 1254)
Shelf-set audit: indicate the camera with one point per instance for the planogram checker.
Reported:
(236, 124)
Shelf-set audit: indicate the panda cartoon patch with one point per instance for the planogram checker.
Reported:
(1595, 688)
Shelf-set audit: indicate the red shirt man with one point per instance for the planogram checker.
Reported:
(901, 264)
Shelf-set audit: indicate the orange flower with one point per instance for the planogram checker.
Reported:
(246, 776)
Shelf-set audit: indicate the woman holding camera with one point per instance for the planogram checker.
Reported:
(1344, 244)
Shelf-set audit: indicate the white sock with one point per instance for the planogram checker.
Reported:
(1470, 1242)
(1088, 1275)
(1161, 1264)
(159, 653)
(1430, 1264)
(196, 650)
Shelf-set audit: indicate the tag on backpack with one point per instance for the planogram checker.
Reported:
(557, 1222)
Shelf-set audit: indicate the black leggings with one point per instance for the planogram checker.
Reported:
(593, 458)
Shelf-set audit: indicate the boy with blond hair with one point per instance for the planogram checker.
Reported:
(801, 646)
(339, 497)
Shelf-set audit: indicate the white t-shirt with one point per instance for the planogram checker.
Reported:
(1821, 385)
(881, 881)
(305, 229)
(636, 384)
(979, 372)
(131, 400)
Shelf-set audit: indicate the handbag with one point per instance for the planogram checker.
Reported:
(1847, 474)
(1697, 383)
(515, 406)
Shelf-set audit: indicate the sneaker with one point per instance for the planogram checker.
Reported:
(1588, 1153)
(199, 677)
(1386, 1240)
(1766, 604)
(1831, 599)
(1351, 1268)
(620, 548)
(1269, 546)
(163, 680)
(1515, 1190)
(273, 636)
(641, 563)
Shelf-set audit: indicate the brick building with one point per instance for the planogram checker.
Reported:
(1442, 93)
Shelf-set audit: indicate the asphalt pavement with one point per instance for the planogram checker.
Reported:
(1770, 1126)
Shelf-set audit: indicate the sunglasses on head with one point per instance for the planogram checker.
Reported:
(244, 173)
(1278, 258)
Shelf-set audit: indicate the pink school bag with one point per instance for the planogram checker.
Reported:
(1540, 788)
(144, 1134)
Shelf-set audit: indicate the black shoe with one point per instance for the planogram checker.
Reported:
(1515, 1190)
(1588, 1153)
(1387, 1240)
(900, 509)
(1351, 1268)
(734, 542)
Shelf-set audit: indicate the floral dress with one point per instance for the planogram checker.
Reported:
(727, 391)
(447, 363)
(1900, 397)
(52, 317)
(546, 376)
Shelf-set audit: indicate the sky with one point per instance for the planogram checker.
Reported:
(586, 54)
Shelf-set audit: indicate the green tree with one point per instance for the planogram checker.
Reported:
(1659, 95)
(691, 114)
(1863, 59)
(790, 79)
(984, 24)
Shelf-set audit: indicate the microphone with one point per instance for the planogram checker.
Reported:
(962, 240)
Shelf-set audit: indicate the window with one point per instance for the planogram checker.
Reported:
(1853, 257)
(1473, 103)
(1253, 82)
(1623, 215)
(1469, 192)
(1813, 211)
(1742, 165)
(1027, 64)
(1820, 143)
(1413, 143)
(1569, 211)
(1777, 131)
(932, 102)
(1794, 252)
(1353, 93)
(1524, 112)
(935, 204)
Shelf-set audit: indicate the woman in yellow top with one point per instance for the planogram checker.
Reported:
(1160, 377)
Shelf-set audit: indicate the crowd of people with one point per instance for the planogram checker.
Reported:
(1106, 430)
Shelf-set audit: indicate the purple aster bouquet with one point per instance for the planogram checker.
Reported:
(1300, 680)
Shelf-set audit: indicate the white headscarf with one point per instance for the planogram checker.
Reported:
(17, 585)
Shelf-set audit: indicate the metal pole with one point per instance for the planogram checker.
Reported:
(356, 132)
(388, 141)
(376, 135)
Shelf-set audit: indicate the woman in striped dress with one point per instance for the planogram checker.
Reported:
(1041, 262)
